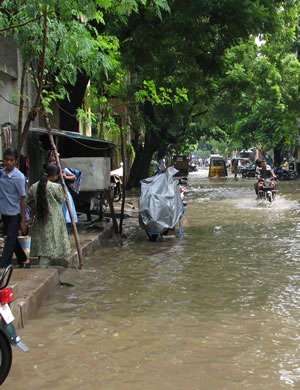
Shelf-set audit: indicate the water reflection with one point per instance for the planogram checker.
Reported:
(216, 309)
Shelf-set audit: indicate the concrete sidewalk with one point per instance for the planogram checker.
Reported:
(32, 287)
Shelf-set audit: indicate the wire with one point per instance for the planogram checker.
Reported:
(65, 111)
(10, 102)
(86, 146)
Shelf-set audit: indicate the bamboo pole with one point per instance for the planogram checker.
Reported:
(75, 232)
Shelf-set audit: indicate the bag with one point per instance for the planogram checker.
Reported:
(74, 186)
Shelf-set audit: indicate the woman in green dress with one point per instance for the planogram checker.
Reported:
(49, 236)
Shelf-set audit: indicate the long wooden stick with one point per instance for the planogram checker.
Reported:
(76, 236)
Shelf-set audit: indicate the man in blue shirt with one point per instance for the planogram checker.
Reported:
(12, 208)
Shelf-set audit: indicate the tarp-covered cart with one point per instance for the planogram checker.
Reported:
(160, 204)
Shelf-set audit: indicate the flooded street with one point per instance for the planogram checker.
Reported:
(217, 308)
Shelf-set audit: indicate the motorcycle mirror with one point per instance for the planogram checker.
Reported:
(5, 277)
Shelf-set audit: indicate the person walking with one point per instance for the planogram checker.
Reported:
(12, 208)
(49, 236)
(234, 167)
(69, 177)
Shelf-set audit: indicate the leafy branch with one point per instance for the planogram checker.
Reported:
(20, 24)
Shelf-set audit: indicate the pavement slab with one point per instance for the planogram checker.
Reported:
(32, 287)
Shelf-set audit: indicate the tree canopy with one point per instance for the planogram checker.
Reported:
(258, 94)
(184, 49)
(184, 69)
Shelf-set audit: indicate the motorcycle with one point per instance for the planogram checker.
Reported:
(8, 335)
(266, 189)
(116, 187)
(284, 174)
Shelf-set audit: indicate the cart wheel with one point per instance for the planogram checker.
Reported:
(152, 237)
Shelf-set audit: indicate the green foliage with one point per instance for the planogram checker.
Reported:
(259, 103)
(130, 152)
(77, 40)
(175, 65)
(185, 69)
(160, 96)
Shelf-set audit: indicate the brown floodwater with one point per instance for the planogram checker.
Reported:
(216, 308)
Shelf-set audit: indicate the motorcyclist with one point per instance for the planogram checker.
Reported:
(285, 164)
(263, 172)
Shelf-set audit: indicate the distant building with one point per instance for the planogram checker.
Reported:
(10, 83)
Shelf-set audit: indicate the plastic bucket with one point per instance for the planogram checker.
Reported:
(25, 242)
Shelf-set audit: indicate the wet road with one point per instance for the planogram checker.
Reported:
(215, 309)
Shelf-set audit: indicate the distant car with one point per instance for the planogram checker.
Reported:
(247, 171)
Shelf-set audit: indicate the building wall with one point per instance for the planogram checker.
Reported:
(10, 82)
(9, 89)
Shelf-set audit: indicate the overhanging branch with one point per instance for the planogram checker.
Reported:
(19, 25)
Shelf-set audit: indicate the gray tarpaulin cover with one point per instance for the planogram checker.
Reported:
(160, 204)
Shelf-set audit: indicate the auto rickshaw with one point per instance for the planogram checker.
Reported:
(181, 163)
(217, 167)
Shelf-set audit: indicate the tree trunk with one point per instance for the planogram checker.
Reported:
(141, 164)
(277, 156)
(68, 108)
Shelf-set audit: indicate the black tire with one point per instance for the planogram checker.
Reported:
(5, 357)
(117, 194)
(270, 197)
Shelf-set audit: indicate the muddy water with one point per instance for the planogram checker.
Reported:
(215, 309)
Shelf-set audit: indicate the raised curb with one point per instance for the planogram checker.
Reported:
(88, 246)
(26, 305)
(34, 286)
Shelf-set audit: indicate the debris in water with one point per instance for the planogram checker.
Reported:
(218, 229)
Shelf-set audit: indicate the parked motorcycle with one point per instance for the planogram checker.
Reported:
(266, 190)
(116, 186)
(284, 174)
(8, 335)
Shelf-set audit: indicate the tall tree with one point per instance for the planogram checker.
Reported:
(258, 97)
(183, 49)
(75, 48)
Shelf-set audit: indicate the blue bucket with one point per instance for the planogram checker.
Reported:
(25, 242)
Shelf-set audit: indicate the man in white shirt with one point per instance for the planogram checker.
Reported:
(12, 208)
